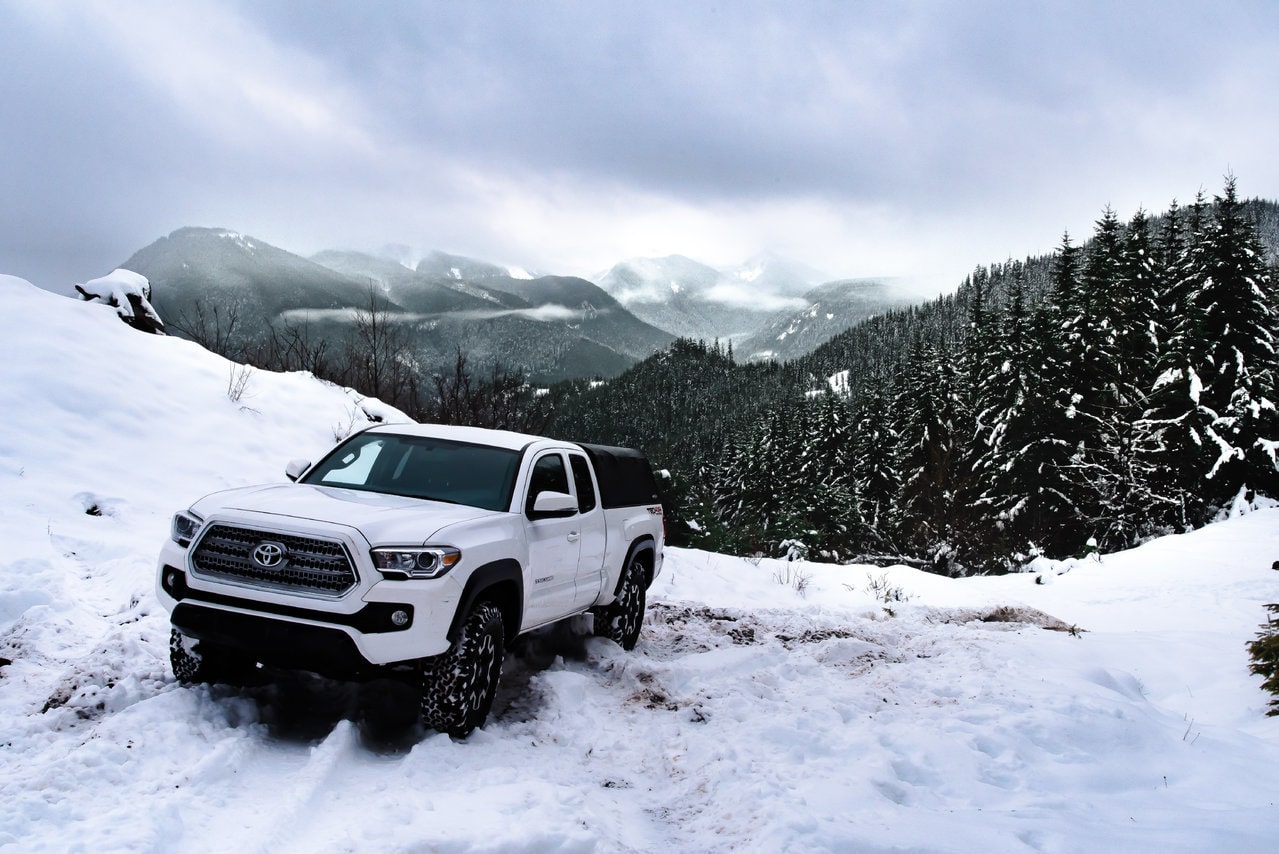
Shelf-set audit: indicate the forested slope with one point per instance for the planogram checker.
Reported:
(1115, 389)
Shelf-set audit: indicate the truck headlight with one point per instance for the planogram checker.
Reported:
(415, 561)
(185, 527)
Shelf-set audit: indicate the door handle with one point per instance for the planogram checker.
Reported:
(573, 536)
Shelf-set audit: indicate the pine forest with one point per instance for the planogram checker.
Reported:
(1120, 388)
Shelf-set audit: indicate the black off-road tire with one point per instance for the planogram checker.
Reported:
(622, 620)
(458, 686)
(195, 662)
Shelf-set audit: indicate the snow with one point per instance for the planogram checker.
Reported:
(116, 287)
(837, 383)
(769, 705)
(237, 238)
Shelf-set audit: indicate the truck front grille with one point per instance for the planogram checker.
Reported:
(277, 561)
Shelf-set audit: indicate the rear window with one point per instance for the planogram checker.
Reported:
(582, 480)
(626, 480)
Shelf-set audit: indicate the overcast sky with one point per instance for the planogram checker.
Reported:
(862, 138)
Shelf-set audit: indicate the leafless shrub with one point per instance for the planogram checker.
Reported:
(341, 430)
(293, 347)
(215, 328)
(501, 400)
(238, 377)
(884, 591)
(378, 356)
(790, 575)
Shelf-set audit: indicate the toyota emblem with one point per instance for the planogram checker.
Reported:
(268, 555)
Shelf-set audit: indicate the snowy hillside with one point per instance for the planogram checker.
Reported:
(768, 706)
(827, 310)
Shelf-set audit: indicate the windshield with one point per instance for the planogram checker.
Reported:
(417, 467)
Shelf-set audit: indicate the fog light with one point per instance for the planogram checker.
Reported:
(173, 581)
(400, 618)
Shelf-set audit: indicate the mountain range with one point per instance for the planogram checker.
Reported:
(552, 327)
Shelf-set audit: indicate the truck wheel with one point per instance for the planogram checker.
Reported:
(621, 621)
(458, 686)
(194, 662)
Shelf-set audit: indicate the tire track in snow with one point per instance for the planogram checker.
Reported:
(329, 766)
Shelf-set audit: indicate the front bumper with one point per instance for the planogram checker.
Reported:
(343, 636)
(318, 648)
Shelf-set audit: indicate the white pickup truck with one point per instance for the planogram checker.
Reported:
(416, 551)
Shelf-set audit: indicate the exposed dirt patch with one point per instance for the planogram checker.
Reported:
(1013, 614)
(683, 629)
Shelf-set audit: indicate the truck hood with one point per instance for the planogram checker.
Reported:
(382, 519)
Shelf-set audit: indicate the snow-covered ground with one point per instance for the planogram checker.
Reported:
(1115, 714)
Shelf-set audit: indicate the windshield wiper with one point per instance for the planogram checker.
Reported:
(433, 498)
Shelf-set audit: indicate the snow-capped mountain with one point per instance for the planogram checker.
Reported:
(695, 300)
(233, 271)
(441, 265)
(674, 293)
(551, 327)
(656, 280)
(770, 274)
(412, 289)
(827, 310)
(569, 323)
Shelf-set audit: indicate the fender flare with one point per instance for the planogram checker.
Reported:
(483, 579)
(645, 543)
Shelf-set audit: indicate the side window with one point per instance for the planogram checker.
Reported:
(548, 476)
(582, 480)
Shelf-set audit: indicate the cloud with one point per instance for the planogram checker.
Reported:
(865, 139)
(548, 313)
(742, 294)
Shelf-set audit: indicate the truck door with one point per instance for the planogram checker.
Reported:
(590, 573)
(554, 543)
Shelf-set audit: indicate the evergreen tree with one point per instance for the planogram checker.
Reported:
(1109, 399)
(830, 511)
(1051, 518)
(1005, 400)
(876, 476)
(979, 358)
(1140, 312)
(741, 493)
(929, 454)
(1172, 431)
(1237, 370)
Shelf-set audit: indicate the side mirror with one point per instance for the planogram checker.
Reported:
(294, 469)
(554, 504)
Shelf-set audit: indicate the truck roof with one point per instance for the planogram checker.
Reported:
(624, 475)
(472, 435)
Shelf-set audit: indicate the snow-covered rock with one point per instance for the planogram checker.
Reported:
(129, 293)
